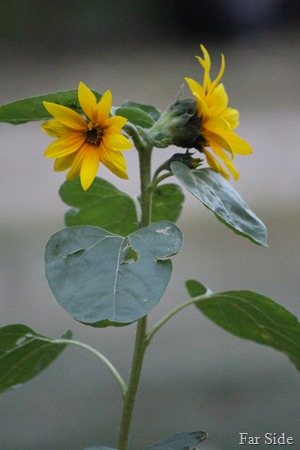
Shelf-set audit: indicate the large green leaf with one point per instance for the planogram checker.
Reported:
(32, 108)
(252, 316)
(180, 441)
(23, 354)
(105, 206)
(219, 196)
(99, 276)
(101, 205)
(167, 203)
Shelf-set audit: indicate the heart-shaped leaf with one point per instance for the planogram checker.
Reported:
(102, 205)
(24, 354)
(98, 276)
(219, 196)
(180, 441)
(252, 316)
(32, 108)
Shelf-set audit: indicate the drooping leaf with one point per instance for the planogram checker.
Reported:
(136, 116)
(219, 196)
(94, 276)
(180, 441)
(23, 354)
(167, 203)
(255, 317)
(32, 108)
(103, 205)
(149, 109)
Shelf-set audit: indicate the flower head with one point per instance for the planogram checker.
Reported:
(81, 144)
(217, 120)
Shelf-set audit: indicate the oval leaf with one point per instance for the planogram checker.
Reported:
(102, 205)
(167, 203)
(255, 317)
(136, 116)
(23, 354)
(180, 441)
(32, 108)
(98, 276)
(220, 197)
(149, 109)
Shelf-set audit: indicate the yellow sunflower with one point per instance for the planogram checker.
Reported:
(81, 144)
(217, 120)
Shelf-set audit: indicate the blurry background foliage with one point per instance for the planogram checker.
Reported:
(195, 375)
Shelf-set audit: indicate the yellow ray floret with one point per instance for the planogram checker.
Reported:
(217, 120)
(83, 143)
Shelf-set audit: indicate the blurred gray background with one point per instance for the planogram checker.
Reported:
(195, 376)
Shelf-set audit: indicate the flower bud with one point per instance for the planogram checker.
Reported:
(178, 125)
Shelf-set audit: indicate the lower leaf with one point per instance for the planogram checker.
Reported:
(24, 354)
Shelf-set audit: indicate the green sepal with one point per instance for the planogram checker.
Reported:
(24, 354)
(180, 441)
(220, 197)
(94, 278)
(32, 108)
(252, 316)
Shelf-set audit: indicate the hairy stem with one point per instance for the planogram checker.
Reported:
(140, 338)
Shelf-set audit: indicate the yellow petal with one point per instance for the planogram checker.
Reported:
(116, 142)
(56, 129)
(66, 116)
(89, 166)
(195, 87)
(220, 74)
(64, 146)
(202, 106)
(215, 165)
(115, 123)
(218, 99)
(76, 164)
(232, 117)
(103, 108)
(64, 162)
(115, 162)
(237, 144)
(87, 101)
(217, 138)
(229, 164)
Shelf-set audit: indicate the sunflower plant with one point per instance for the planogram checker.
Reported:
(111, 265)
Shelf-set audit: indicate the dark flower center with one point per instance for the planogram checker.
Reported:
(93, 135)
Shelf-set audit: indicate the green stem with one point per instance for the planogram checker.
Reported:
(172, 313)
(136, 368)
(140, 338)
